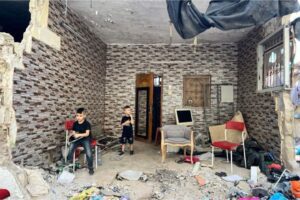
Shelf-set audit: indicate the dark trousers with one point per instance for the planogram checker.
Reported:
(85, 142)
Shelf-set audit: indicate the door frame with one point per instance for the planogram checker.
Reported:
(146, 80)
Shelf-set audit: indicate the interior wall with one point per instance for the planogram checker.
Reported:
(172, 62)
(258, 108)
(56, 82)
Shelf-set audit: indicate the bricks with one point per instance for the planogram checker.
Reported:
(101, 78)
(258, 108)
(125, 61)
(55, 83)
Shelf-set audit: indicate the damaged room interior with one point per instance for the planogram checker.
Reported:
(149, 100)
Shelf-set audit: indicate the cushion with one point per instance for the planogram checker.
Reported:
(174, 140)
(225, 145)
(176, 131)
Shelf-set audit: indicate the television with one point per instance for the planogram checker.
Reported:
(184, 117)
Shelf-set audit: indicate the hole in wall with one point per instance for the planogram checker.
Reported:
(14, 18)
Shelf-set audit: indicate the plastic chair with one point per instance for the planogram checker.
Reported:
(230, 146)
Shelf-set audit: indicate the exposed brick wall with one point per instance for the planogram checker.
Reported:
(258, 108)
(55, 83)
(125, 61)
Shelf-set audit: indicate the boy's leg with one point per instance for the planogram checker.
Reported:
(130, 141)
(123, 142)
(88, 151)
(72, 148)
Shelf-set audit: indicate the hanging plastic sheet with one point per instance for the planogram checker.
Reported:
(225, 14)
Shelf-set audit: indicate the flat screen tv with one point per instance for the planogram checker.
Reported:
(184, 117)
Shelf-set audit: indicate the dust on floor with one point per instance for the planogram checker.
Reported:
(169, 180)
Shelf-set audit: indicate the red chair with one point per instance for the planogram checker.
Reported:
(230, 146)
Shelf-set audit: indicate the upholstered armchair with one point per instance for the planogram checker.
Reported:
(176, 135)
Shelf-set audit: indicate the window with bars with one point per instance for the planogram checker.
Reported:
(274, 61)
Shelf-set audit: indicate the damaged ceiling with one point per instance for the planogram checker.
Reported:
(142, 22)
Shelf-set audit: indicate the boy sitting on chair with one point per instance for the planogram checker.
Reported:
(82, 133)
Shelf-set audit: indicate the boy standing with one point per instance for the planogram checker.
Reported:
(127, 130)
(82, 134)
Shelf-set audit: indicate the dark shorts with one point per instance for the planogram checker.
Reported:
(126, 139)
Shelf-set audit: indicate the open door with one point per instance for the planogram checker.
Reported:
(143, 106)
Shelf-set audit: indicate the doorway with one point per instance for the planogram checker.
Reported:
(148, 106)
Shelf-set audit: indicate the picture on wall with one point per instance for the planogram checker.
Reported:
(196, 90)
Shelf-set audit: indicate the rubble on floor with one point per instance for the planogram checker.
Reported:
(203, 183)
(169, 181)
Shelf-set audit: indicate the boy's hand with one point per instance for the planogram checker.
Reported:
(127, 122)
(76, 135)
(71, 134)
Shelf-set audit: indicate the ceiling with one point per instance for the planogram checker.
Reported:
(142, 22)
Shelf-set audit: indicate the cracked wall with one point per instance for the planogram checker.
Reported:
(54, 82)
(56, 78)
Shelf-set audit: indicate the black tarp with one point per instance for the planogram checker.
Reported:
(226, 14)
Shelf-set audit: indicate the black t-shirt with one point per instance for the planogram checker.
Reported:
(82, 128)
(128, 128)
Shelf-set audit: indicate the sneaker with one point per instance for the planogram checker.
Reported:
(91, 171)
(121, 153)
(131, 152)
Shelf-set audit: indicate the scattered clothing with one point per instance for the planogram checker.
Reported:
(278, 196)
(221, 174)
(260, 192)
(295, 188)
(188, 159)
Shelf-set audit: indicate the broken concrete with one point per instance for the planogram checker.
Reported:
(37, 186)
(14, 178)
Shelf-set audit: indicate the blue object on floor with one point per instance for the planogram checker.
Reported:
(278, 196)
(96, 197)
(297, 115)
